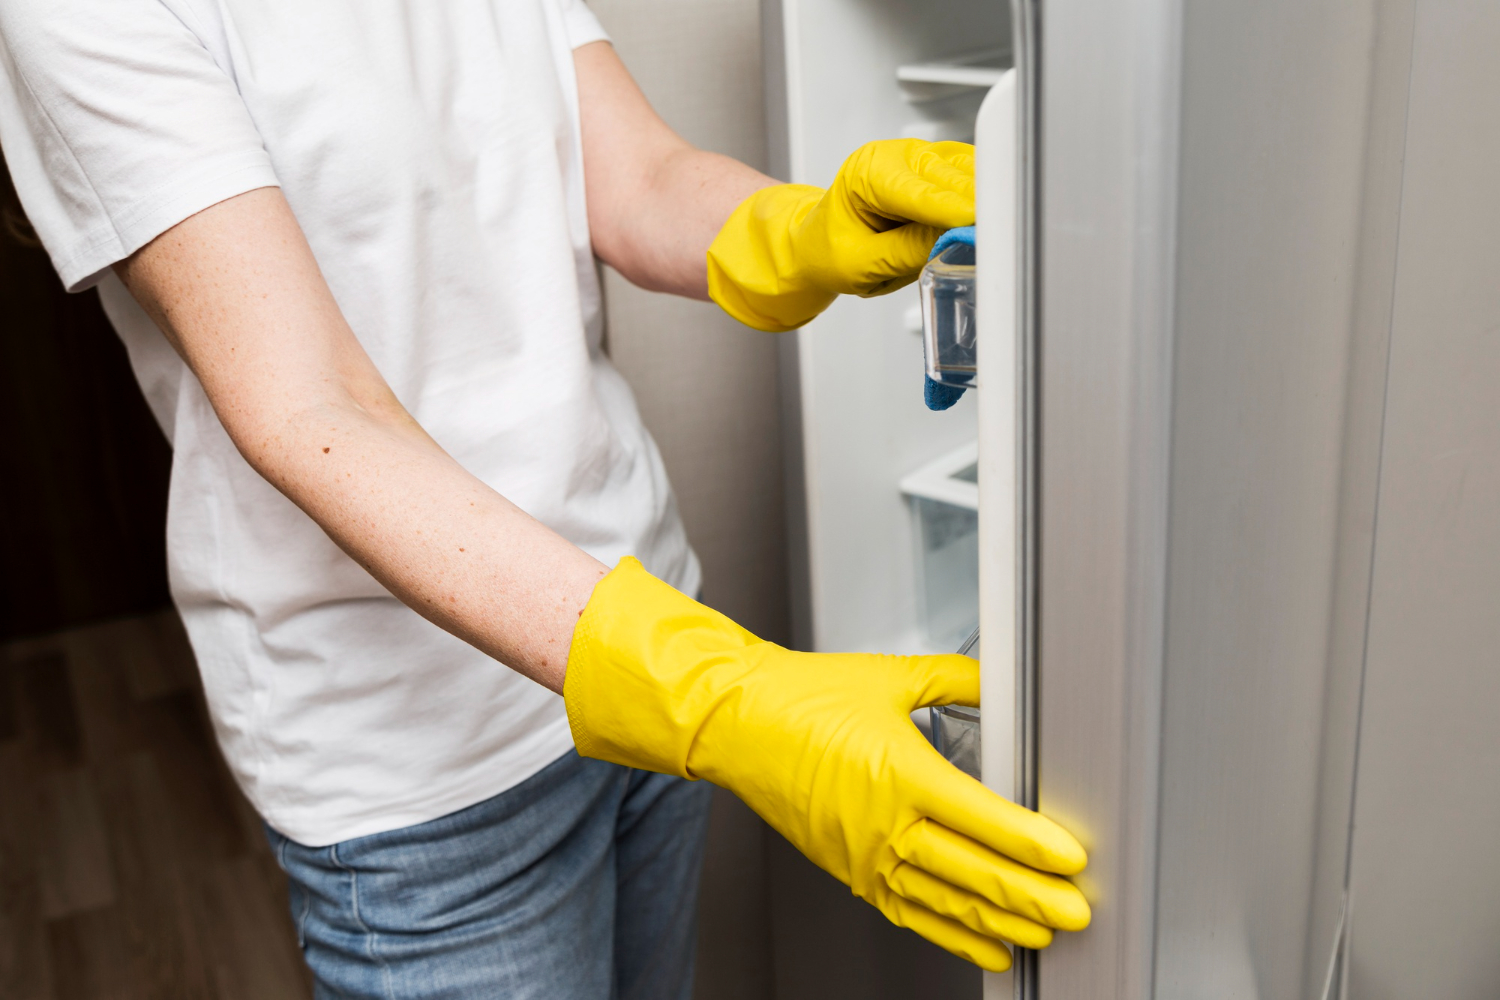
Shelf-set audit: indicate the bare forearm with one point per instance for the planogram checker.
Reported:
(238, 293)
(665, 245)
(437, 537)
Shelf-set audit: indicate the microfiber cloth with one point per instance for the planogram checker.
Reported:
(936, 395)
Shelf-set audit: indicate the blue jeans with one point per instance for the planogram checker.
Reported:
(581, 882)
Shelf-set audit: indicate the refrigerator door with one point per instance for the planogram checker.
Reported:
(1264, 269)
(1424, 877)
(1212, 219)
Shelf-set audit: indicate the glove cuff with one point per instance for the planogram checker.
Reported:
(753, 274)
(644, 670)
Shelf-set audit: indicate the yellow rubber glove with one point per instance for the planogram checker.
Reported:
(822, 746)
(788, 251)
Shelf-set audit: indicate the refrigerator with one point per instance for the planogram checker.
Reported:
(1236, 451)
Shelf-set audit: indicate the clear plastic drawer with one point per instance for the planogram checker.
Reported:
(944, 498)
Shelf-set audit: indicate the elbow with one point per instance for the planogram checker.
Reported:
(289, 446)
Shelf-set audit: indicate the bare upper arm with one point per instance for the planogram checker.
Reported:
(625, 143)
(236, 290)
(237, 267)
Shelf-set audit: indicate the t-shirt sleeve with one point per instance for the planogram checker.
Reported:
(116, 124)
(581, 24)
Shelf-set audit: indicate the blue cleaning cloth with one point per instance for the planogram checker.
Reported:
(936, 395)
(963, 234)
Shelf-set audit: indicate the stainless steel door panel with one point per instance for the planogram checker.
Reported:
(1425, 873)
(1218, 210)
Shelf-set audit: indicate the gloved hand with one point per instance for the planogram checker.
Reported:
(822, 746)
(788, 251)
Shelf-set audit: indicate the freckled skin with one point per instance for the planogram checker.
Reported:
(238, 293)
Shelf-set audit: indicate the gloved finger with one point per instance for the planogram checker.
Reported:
(886, 287)
(883, 262)
(937, 194)
(960, 154)
(947, 933)
(949, 165)
(944, 679)
(955, 800)
(907, 180)
(974, 912)
(1009, 885)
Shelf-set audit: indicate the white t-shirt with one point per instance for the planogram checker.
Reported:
(430, 151)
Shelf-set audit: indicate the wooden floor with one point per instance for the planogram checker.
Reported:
(130, 866)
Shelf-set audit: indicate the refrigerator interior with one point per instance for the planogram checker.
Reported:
(881, 490)
(851, 71)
